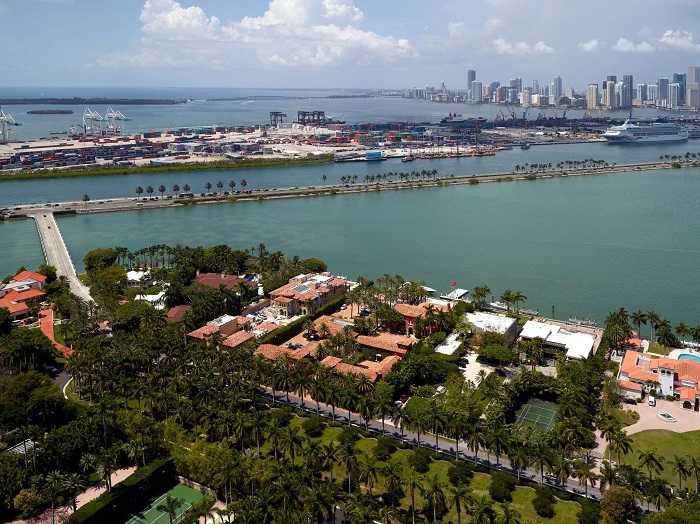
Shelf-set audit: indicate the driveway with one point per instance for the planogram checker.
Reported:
(687, 420)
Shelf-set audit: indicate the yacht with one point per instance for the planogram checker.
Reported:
(654, 132)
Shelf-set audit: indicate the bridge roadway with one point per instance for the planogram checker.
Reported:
(56, 252)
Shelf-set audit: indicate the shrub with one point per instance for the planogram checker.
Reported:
(461, 473)
(420, 461)
(283, 416)
(544, 492)
(501, 486)
(543, 507)
(473, 181)
(589, 513)
(348, 434)
(385, 447)
(313, 426)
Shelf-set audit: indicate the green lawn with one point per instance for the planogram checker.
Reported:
(522, 496)
(667, 444)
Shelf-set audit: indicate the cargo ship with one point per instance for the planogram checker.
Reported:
(629, 133)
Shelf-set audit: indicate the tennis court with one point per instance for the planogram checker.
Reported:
(538, 413)
(148, 514)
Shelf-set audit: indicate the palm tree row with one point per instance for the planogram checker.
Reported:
(186, 188)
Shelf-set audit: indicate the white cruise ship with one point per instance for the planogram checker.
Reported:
(654, 132)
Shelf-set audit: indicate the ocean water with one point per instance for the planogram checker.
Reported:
(583, 245)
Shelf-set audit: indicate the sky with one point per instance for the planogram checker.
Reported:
(384, 44)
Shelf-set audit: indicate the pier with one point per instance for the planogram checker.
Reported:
(56, 253)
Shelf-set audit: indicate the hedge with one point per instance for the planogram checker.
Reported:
(98, 510)
(283, 333)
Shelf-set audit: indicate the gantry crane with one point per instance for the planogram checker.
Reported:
(115, 121)
(7, 126)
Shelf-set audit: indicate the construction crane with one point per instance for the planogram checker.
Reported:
(512, 113)
(115, 121)
(7, 126)
(92, 122)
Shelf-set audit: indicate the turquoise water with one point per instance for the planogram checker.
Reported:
(585, 245)
(686, 356)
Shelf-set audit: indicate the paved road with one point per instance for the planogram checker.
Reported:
(56, 253)
(428, 441)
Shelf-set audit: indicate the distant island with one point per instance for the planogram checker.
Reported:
(94, 101)
(50, 112)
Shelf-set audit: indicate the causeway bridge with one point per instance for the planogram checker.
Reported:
(56, 252)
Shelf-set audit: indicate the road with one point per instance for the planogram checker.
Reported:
(56, 253)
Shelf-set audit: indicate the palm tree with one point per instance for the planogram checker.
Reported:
(149, 190)
(176, 188)
(324, 178)
(220, 185)
(650, 460)
(509, 516)
(481, 511)
(683, 330)
(456, 497)
(368, 470)
(86, 199)
(433, 493)
(244, 183)
(393, 479)
(329, 456)
(290, 441)
(541, 456)
(186, 188)
(207, 186)
(54, 485)
(679, 465)
(665, 337)
(620, 442)
(139, 192)
(694, 470)
(413, 483)
(161, 190)
(519, 457)
(518, 298)
(348, 455)
(73, 484)
(585, 475)
(638, 318)
(653, 319)
(170, 507)
(507, 298)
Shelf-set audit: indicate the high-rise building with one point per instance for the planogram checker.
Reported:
(471, 76)
(692, 87)
(526, 96)
(641, 92)
(610, 101)
(512, 95)
(626, 91)
(662, 83)
(535, 87)
(592, 96)
(517, 83)
(544, 90)
(680, 79)
(653, 92)
(501, 94)
(475, 93)
(556, 89)
(672, 97)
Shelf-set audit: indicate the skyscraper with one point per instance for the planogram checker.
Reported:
(535, 87)
(672, 97)
(680, 79)
(475, 94)
(471, 76)
(663, 91)
(642, 92)
(517, 83)
(592, 96)
(692, 87)
(626, 91)
(610, 101)
(556, 89)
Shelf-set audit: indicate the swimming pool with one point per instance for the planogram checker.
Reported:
(688, 356)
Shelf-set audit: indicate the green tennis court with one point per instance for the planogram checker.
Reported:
(538, 413)
(148, 514)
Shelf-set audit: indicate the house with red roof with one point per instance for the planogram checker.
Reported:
(670, 377)
(24, 286)
(412, 312)
(306, 293)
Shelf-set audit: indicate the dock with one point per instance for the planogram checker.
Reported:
(56, 253)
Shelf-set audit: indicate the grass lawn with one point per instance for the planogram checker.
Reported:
(655, 347)
(667, 444)
(626, 417)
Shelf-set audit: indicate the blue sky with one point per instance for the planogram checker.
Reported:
(342, 43)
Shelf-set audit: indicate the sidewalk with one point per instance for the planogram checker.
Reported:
(46, 325)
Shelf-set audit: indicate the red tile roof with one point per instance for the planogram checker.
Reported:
(238, 338)
(333, 327)
(387, 342)
(216, 279)
(203, 332)
(266, 327)
(411, 311)
(15, 308)
(176, 313)
(29, 274)
(626, 384)
(689, 394)
(269, 351)
(685, 369)
(21, 296)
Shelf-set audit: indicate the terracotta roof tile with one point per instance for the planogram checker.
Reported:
(203, 332)
(238, 338)
(21, 296)
(176, 313)
(626, 384)
(29, 274)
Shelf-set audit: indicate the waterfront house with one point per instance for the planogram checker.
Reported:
(427, 310)
(306, 293)
(139, 279)
(374, 370)
(501, 324)
(668, 376)
(214, 280)
(23, 282)
(555, 339)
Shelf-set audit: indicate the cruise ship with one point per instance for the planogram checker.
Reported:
(654, 132)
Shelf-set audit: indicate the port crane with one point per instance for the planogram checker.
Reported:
(115, 121)
(7, 125)
(92, 122)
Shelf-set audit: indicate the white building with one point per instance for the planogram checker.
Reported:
(501, 324)
(450, 345)
(576, 345)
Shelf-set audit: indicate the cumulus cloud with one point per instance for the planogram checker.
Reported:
(290, 33)
(503, 47)
(627, 46)
(589, 46)
(678, 39)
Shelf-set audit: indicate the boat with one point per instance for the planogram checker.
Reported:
(409, 158)
(525, 147)
(629, 133)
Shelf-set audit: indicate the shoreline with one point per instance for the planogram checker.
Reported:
(121, 204)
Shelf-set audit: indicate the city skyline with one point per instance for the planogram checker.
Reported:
(342, 43)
